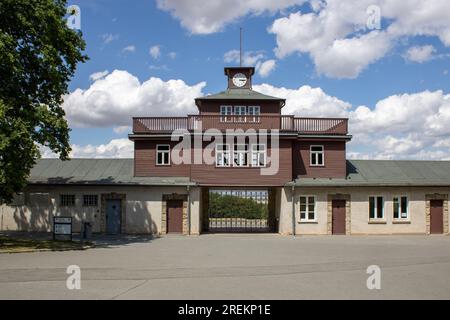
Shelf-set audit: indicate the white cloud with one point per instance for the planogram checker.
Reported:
(172, 55)
(116, 148)
(266, 67)
(212, 16)
(420, 54)
(122, 129)
(109, 37)
(155, 51)
(98, 75)
(113, 100)
(405, 126)
(306, 101)
(336, 37)
(251, 59)
(129, 48)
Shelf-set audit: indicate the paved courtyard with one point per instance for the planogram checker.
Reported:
(233, 266)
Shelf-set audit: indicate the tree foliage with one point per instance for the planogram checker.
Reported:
(228, 206)
(38, 57)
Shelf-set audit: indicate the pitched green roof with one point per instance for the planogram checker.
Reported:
(386, 173)
(239, 94)
(95, 172)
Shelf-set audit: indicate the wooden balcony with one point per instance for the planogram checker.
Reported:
(311, 126)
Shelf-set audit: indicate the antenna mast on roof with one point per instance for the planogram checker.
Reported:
(240, 47)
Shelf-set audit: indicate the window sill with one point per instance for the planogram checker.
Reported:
(317, 165)
(308, 222)
(401, 222)
(377, 222)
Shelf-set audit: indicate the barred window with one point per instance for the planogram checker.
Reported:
(67, 200)
(90, 200)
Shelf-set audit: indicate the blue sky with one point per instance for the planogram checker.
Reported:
(388, 81)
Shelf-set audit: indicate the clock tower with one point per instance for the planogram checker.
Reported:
(239, 77)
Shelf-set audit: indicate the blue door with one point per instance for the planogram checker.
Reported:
(113, 213)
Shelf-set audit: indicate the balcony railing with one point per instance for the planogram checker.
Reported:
(329, 126)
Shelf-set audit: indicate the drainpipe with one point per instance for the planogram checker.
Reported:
(188, 209)
(293, 210)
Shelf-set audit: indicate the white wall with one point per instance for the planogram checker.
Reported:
(359, 209)
(143, 208)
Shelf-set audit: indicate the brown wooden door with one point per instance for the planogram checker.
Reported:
(175, 216)
(338, 217)
(436, 217)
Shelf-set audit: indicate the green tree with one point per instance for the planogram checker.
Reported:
(228, 206)
(38, 57)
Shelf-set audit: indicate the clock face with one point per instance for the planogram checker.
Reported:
(239, 80)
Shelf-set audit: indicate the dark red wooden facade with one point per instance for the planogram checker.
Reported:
(296, 136)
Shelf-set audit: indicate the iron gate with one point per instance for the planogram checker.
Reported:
(238, 211)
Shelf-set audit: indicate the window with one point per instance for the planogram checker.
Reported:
(253, 112)
(222, 155)
(400, 207)
(67, 200)
(317, 158)
(90, 200)
(240, 155)
(226, 112)
(307, 208)
(163, 154)
(239, 113)
(259, 155)
(376, 209)
(18, 199)
(39, 199)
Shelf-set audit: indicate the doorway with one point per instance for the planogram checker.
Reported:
(174, 216)
(436, 216)
(338, 217)
(113, 216)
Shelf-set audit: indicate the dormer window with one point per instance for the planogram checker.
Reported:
(317, 156)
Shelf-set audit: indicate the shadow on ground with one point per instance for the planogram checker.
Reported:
(97, 240)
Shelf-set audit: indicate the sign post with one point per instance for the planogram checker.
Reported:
(62, 227)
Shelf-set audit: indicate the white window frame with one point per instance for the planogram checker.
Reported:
(400, 218)
(163, 152)
(253, 113)
(375, 218)
(255, 155)
(240, 113)
(311, 152)
(306, 219)
(242, 155)
(223, 152)
(226, 113)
